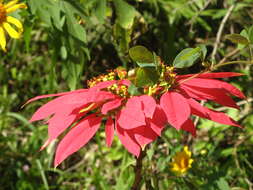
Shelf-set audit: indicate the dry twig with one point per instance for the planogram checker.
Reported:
(220, 30)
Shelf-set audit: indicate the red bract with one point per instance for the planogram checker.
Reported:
(137, 121)
(181, 100)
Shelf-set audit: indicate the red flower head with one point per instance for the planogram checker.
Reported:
(181, 99)
(137, 120)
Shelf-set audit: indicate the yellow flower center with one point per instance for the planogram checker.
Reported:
(169, 74)
(166, 81)
(2, 13)
(120, 90)
(101, 78)
(182, 161)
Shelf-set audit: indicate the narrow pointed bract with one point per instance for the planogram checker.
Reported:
(109, 131)
(210, 75)
(77, 137)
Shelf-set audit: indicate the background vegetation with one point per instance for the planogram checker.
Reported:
(66, 42)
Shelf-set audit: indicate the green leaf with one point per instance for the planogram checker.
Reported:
(243, 33)
(142, 56)
(71, 72)
(125, 13)
(48, 11)
(21, 118)
(64, 52)
(122, 37)
(133, 90)
(56, 13)
(27, 36)
(146, 77)
(237, 39)
(74, 28)
(187, 57)
(100, 10)
(203, 52)
(126, 175)
(250, 34)
(145, 64)
(204, 24)
(222, 184)
(227, 152)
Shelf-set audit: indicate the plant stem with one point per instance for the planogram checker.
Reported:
(138, 171)
(231, 62)
(219, 33)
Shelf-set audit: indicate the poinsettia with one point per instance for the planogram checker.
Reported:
(137, 120)
(182, 99)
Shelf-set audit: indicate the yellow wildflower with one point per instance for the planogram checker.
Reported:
(6, 21)
(182, 161)
(203, 152)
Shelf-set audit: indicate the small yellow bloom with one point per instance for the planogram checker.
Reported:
(7, 22)
(182, 161)
(203, 152)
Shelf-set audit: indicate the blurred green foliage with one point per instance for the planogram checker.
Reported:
(65, 42)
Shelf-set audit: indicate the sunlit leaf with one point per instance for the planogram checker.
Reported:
(100, 10)
(223, 184)
(244, 33)
(133, 90)
(141, 54)
(237, 39)
(250, 34)
(146, 77)
(187, 57)
(203, 52)
(125, 13)
(74, 28)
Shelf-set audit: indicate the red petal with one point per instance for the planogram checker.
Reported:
(60, 122)
(124, 82)
(132, 115)
(211, 83)
(51, 108)
(94, 95)
(104, 84)
(134, 102)
(216, 116)
(144, 135)
(218, 95)
(77, 137)
(70, 102)
(111, 105)
(54, 95)
(149, 105)
(128, 141)
(176, 108)
(189, 127)
(211, 75)
(109, 131)
(158, 121)
(188, 92)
